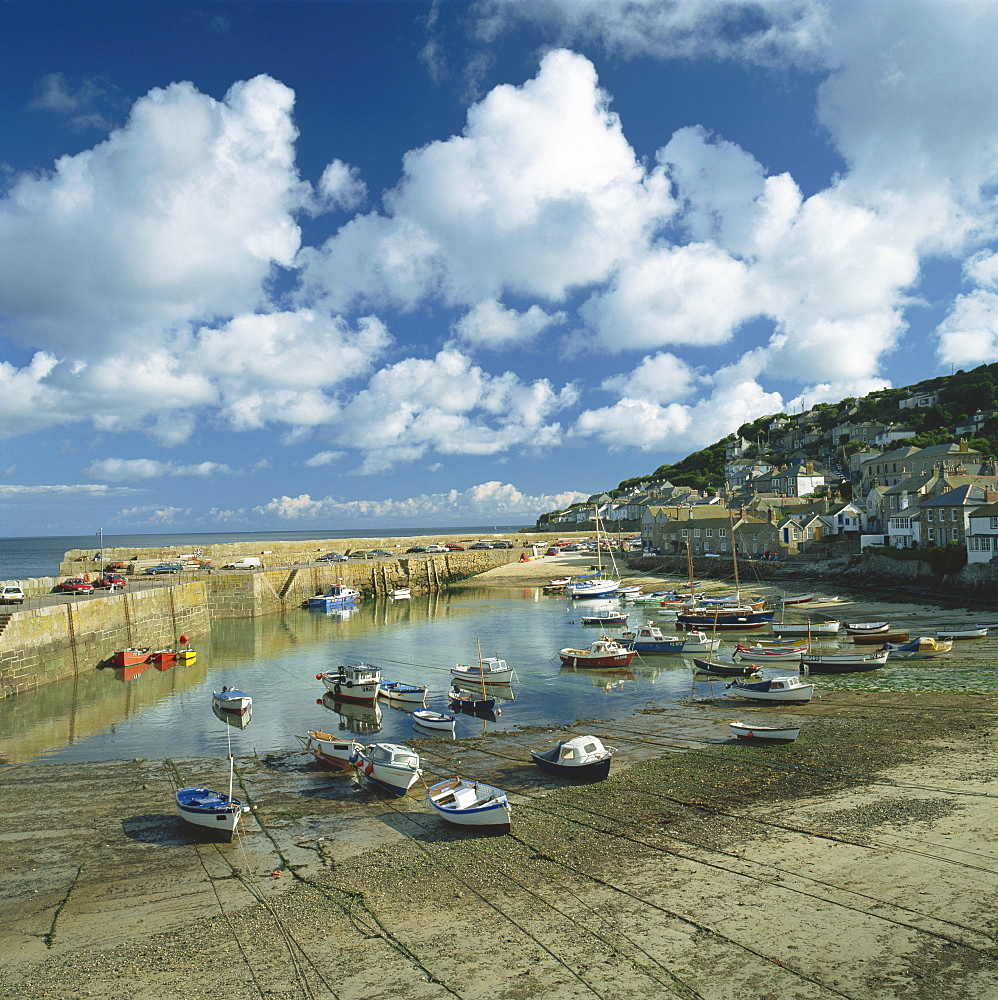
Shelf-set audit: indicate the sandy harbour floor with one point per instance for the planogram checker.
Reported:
(860, 862)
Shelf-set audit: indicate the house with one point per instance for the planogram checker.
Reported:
(982, 534)
(953, 457)
(972, 425)
(946, 518)
(903, 529)
(887, 469)
(921, 399)
(865, 431)
(896, 432)
(799, 480)
(847, 518)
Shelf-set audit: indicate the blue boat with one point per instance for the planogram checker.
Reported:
(649, 639)
(214, 811)
(336, 596)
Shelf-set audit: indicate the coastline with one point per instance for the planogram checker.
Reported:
(846, 864)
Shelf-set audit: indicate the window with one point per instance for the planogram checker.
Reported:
(993, 522)
(723, 532)
(932, 534)
(928, 516)
(685, 532)
(709, 532)
(696, 532)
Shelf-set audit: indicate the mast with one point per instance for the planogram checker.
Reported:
(481, 670)
(734, 558)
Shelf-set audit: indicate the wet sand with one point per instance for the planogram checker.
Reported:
(860, 861)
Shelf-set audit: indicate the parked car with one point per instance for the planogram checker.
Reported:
(416, 548)
(11, 595)
(111, 579)
(164, 567)
(76, 585)
(436, 548)
(332, 557)
(380, 554)
(480, 545)
(553, 552)
(453, 547)
(502, 543)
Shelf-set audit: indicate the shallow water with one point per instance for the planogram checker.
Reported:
(99, 716)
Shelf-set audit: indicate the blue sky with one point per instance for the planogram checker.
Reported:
(313, 264)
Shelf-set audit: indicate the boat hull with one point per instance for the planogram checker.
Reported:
(395, 776)
(485, 808)
(234, 702)
(208, 810)
(763, 734)
(784, 691)
(331, 750)
(817, 664)
(594, 771)
(434, 720)
(404, 694)
(807, 628)
(131, 657)
(579, 658)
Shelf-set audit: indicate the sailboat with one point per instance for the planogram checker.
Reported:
(211, 810)
(594, 585)
(468, 701)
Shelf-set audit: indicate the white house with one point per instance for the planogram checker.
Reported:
(904, 529)
(982, 538)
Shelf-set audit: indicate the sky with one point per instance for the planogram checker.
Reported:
(317, 264)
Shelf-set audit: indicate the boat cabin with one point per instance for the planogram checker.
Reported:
(581, 750)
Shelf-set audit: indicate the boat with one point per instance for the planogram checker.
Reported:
(653, 598)
(163, 659)
(488, 670)
(231, 700)
(400, 594)
(391, 766)
(771, 653)
(602, 652)
(187, 655)
(841, 663)
(428, 719)
(414, 694)
(336, 596)
(768, 734)
(132, 656)
(650, 639)
(594, 585)
(353, 682)
(699, 642)
(210, 810)
(923, 647)
(329, 749)
(580, 757)
(786, 690)
(723, 668)
(634, 590)
(787, 599)
(866, 628)
(728, 619)
(806, 628)
(133, 671)
(879, 638)
(471, 803)
(963, 633)
(606, 618)
(557, 585)
(470, 701)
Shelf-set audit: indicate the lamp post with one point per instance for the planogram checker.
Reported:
(100, 535)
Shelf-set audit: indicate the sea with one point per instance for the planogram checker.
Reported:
(24, 558)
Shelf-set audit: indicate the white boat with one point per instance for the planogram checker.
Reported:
(580, 757)
(806, 628)
(787, 599)
(391, 766)
(471, 803)
(769, 653)
(630, 592)
(429, 719)
(700, 642)
(791, 690)
(488, 670)
(354, 682)
(330, 749)
(336, 596)
(595, 585)
(866, 628)
(963, 633)
(771, 734)
(210, 810)
(842, 663)
(400, 594)
(406, 694)
(231, 700)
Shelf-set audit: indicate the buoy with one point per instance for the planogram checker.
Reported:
(184, 640)
(318, 677)
(318, 701)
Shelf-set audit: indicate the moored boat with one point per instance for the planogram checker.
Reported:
(231, 700)
(488, 670)
(778, 690)
(921, 648)
(580, 757)
(471, 803)
(768, 653)
(391, 766)
(470, 701)
(352, 682)
(978, 632)
(429, 719)
(187, 655)
(700, 642)
(410, 694)
(163, 659)
(765, 734)
(866, 628)
(806, 628)
(788, 599)
(841, 663)
(329, 749)
(209, 810)
(602, 652)
(132, 656)
(650, 639)
(336, 596)
(727, 619)
(723, 668)
(602, 618)
(400, 594)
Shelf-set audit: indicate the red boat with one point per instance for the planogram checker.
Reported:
(131, 657)
(604, 652)
(163, 658)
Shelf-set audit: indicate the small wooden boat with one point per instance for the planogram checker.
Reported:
(963, 633)
(471, 803)
(787, 599)
(391, 766)
(923, 647)
(231, 700)
(866, 628)
(409, 694)
(163, 659)
(580, 757)
(336, 596)
(841, 663)
(723, 668)
(603, 652)
(767, 734)
(469, 701)
(353, 682)
(488, 670)
(132, 656)
(210, 810)
(428, 719)
(780, 690)
(879, 638)
(187, 655)
(806, 628)
(650, 639)
(768, 653)
(329, 749)
(606, 618)
(400, 594)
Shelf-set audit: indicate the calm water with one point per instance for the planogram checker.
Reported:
(101, 717)
(25, 558)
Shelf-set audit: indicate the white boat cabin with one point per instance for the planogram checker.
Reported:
(582, 750)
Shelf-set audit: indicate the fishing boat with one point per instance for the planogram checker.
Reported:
(132, 656)
(841, 663)
(472, 703)
(806, 628)
(764, 734)
(603, 652)
(780, 690)
(329, 749)
(768, 653)
(400, 594)
(336, 596)
(879, 638)
(866, 628)
(429, 719)
(409, 694)
(391, 766)
(353, 682)
(580, 757)
(231, 700)
(209, 810)
(921, 648)
(979, 632)
(723, 668)
(488, 670)
(650, 639)
(700, 642)
(471, 803)
(606, 618)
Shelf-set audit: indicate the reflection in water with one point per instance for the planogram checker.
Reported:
(238, 720)
(352, 716)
